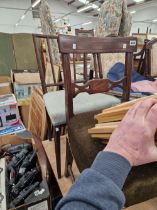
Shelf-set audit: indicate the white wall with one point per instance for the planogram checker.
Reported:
(143, 18)
(59, 8)
(9, 17)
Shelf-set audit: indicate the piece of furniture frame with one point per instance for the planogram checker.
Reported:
(147, 58)
(52, 127)
(94, 46)
(140, 39)
(55, 100)
(139, 59)
(84, 33)
(150, 58)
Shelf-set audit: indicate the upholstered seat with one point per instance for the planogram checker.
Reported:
(55, 104)
(141, 183)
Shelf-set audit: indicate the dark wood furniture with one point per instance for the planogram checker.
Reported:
(55, 129)
(146, 58)
(41, 66)
(94, 46)
(141, 183)
(140, 39)
(55, 100)
(84, 33)
(150, 57)
(139, 59)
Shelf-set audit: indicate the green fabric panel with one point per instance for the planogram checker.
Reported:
(7, 59)
(24, 51)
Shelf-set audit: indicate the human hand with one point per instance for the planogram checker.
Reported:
(134, 137)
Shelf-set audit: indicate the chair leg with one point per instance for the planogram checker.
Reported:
(49, 128)
(68, 162)
(57, 150)
(63, 129)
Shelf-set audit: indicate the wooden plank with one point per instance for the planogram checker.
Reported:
(24, 110)
(129, 103)
(37, 121)
(117, 113)
(101, 136)
(107, 128)
(111, 118)
(106, 124)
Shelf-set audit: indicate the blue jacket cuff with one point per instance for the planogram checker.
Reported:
(113, 166)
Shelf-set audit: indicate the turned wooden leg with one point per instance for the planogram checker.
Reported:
(49, 128)
(68, 162)
(57, 150)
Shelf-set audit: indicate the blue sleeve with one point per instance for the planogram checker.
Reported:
(99, 187)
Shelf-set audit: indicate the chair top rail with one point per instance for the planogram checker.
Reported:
(75, 44)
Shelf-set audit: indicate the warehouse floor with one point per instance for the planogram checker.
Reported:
(64, 183)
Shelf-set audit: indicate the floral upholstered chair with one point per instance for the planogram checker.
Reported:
(113, 20)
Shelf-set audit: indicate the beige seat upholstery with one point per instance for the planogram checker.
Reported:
(84, 102)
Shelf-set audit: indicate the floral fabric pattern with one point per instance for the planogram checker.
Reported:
(49, 28)
(114, 19)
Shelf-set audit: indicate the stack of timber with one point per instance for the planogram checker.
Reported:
(110, 118)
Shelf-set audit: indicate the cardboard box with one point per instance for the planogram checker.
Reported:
(10, 121)
(25, 76)
(5, 85)
(40, 198)
(9, 114)
(23, 82)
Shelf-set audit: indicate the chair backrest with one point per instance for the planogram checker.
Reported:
(95, 46)
(49, 72)
(84, 33)
(150, 58)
